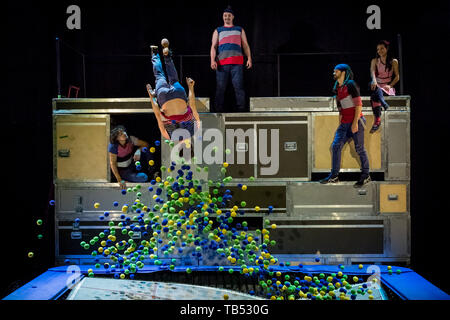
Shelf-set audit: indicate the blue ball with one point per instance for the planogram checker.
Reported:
(115, 204)
(157, 143)
(52, 202)
(317, 259)
(106, 213)
(77, 220)
(101, 217)
(124, 191)
(145, 149)
(67, 261)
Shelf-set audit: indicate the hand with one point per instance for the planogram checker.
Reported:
(249, 64)
(387, 87)
(137, 157)
(151, 93)
(123, 184)
(214, 65)
(190, 82)
(373, 85)
(354, 127)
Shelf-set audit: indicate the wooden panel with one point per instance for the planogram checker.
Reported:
(397, 193)
(87, 141)
(324, 130)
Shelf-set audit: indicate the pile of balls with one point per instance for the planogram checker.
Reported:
(184, 219)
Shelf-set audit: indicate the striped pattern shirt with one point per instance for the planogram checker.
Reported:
(230, 45)
(347, 99)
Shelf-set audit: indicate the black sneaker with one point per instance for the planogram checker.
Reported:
(330, 179)
(362, 181)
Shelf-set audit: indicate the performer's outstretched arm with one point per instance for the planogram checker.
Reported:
(191, 84)
(157, 113)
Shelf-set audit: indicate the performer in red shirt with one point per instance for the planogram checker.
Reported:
(352, 124)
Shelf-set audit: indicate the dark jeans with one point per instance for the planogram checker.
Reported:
(223, 73)
(377, 96)
(172, 89)
(342, 136)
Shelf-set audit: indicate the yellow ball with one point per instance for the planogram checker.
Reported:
(371, 297)
(122, 276)
(151, 163)
(158, 179)
(152, 149)
(96, 205)
(360, 266)
(389, 267)
(90, 270)
(278, 274)
(274, 226)
(244, 187)
(225, 164)
(226, 297)
(30, 254)
(257, 208)
(355, 279)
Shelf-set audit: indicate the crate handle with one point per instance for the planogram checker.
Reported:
(393, 197)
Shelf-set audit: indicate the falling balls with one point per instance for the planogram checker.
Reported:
(39, 222)
(96, 205)
(30, 254)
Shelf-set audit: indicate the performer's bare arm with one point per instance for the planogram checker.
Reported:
(396, 73)
(157, 113)
(373, 63)
(113, 164)
(191, 84)
(213, 51)
(358, 110)
(246, 48)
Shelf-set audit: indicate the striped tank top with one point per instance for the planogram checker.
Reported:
(230, 45)
(384, 77)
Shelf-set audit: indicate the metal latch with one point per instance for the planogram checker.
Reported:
(78, 204)
(136, 235)
(241, 147)
(393, 197)
(362, 192)
(76, 235)
(64, 153)
(290, 146)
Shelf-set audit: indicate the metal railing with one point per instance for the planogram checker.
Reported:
(183, 57)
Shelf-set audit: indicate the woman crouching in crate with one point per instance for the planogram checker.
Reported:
(175, 110)
(124, 153)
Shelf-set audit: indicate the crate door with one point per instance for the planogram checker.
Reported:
(81, 147)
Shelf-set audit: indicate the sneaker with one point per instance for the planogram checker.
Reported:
(375, 126)
(362, 181)
(154, 49)
(330, 179)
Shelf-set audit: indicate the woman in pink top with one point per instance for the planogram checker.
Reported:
(384, 74)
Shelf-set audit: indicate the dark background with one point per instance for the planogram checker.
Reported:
(115, 37)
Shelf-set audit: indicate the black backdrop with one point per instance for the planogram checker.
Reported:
(110, 30)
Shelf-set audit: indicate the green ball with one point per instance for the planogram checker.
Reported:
(188, 270)
(230, 271)
(39, 222)
(251, 179)
(40, 236)
(243, 204)
(227, 151)
(220, 268)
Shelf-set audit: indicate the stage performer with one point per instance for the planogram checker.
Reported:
(384, 74)
(227, 60)
(123, 149)
(173, 109)
(352, 124)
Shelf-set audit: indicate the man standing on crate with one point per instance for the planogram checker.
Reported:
(227, 60)
(352, 124)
